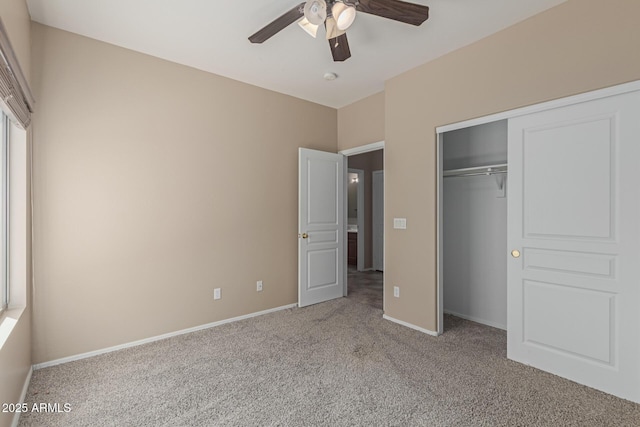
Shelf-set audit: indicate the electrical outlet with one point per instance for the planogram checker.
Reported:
(216, 293)
(259, 286)
(396, 291)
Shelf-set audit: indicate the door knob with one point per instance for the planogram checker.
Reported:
(515, 253)
(304, 235)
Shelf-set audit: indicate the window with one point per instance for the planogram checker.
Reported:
(16, 104)
(4, 212)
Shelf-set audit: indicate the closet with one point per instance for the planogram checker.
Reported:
(474, 223)
(561, 227)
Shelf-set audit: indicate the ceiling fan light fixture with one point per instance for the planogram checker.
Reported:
(332, 28)
(315, 11)
(310, 28)
(343, 14)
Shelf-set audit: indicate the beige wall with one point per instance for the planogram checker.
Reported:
(155, 183)
(368, 162)
(15, 354)
(362, 122)
(16, 19)
(15, 363)
(575, 47)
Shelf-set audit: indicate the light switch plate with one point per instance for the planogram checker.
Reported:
(400, 223)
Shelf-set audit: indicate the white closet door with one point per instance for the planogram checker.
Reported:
(574, 234)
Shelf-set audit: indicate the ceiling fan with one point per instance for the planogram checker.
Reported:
(337, 16)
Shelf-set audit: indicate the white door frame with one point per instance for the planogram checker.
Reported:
(440, 226)
(352, 152)
(557, 103)
(375, 244)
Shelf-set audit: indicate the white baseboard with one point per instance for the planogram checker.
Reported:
(157, 338)
(477, 320)
(23, 396)
(409, 325)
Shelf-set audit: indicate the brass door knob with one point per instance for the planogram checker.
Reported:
(515, 253)
(304, 235)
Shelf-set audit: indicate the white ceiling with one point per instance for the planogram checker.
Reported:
(211, 35)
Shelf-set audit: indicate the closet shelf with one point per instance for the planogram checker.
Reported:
(477, 170)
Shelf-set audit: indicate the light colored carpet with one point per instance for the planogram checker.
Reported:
(365, 287)
(333, 364)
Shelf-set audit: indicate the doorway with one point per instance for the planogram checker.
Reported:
(355, 218)
(364, 270)
(474, 223)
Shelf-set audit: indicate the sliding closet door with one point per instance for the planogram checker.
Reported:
(574, 242)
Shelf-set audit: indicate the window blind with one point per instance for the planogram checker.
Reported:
(16, 99)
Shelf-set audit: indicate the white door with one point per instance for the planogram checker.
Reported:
(378, 220)
(573, 233)
(321, 226)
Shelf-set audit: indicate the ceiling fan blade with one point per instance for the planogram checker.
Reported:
(409, 13)
(278, 24)
(340, 48)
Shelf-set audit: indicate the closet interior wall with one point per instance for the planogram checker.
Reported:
(475, 225)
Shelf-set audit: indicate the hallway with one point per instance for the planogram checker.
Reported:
(365, 287)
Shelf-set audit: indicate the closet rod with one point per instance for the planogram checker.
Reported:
(476, 171)
(475, 174)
